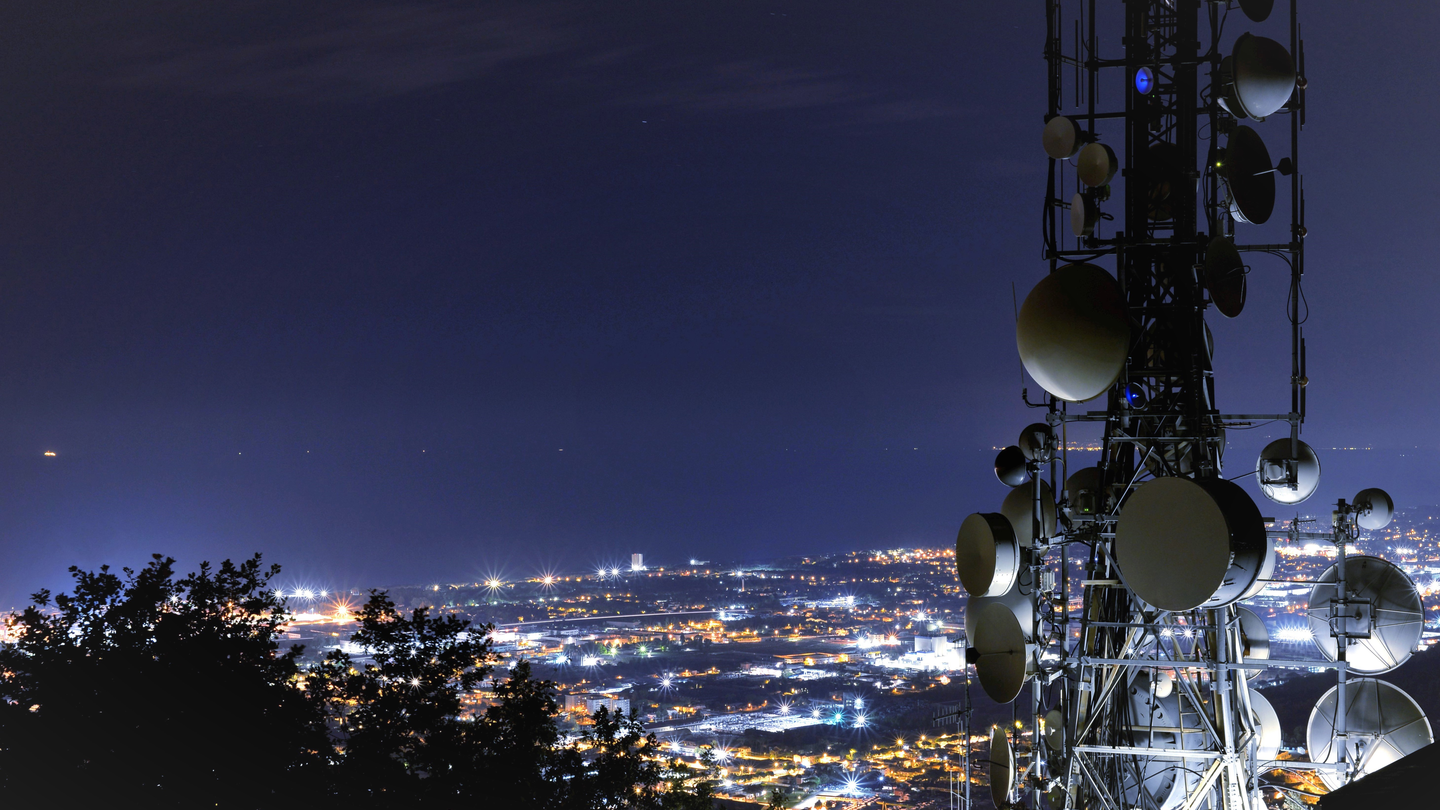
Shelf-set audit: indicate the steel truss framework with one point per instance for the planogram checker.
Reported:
(1094, 669)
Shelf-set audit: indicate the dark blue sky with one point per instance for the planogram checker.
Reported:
(337, 281)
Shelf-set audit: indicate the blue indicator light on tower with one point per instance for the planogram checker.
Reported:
(1144, 80)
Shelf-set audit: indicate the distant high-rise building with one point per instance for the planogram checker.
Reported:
(637, 562)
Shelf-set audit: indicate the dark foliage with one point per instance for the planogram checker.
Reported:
(147, 690)
(164, 691)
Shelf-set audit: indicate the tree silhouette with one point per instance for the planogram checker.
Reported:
(160, 690)
(148, 690)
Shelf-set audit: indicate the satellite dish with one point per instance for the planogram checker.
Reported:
(1384, 604)
(1225, 276)
(1037, 442)
(1063, 137)
(1267, 724)
(1382, 725)
(1257, 10)
(1010, 467)
(1055, 731)
(1002, 766)
(1002, 654)
(1082, 492)
(1096, 164)
(1084, 214)
(1164, 723)
(1184, 544)
(1274, 467)
(1257, 78)
(1254, 639)
(1249, 177)
(1019, 508)
(987, 554)
(1373, 509)
(1074, 333)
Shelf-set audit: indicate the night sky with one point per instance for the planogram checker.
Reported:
(405, 292)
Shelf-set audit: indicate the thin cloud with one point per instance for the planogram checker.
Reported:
(365, 52)
(759, 86)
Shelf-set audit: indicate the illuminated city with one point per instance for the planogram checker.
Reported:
(822, 676)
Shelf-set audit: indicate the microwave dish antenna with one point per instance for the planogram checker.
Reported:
(1381, 615)
(1073, 332)
(1019, 508)
(1285, 477)
(1382, 724)
(1267, 723)
(1373, 509)
(1002, 766)
(987, 554)
(1183, 544)
(1019, 600)
(1003, 655)
(1257, 78)
(1249, 177)
(1063, 138)
(1225, 276)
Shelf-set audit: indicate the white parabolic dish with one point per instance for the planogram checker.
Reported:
(1397, 616)
(1002, 656)
(1073, 333)
(1382, 722)
(987, 554)
(1002, 766)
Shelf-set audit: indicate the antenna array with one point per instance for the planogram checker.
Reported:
(1142, 698)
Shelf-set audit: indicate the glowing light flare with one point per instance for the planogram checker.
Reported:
(1293, 634)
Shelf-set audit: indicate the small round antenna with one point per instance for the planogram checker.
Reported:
(1002, 766)
(987, 554)
(1373, 509)
(1382, 612)
(1055, 731)
(1002, 655)
(1018, 507)
(1073, 332)
(1063, 137)
(1225, 276)
(1382, 724)
(1284, 477)
(1010, 467)
(1257, 10)
(1249, 177)
(1257, 78)
(1267, 747)
(1096, 164)
(1037, 442)
(1084, 214)
(1082, 493)
(1017, 600)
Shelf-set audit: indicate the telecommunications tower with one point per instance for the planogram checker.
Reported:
(1162, 119)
